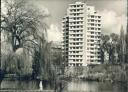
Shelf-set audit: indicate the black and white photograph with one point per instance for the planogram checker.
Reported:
(64, 46)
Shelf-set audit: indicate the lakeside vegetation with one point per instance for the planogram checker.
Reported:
(27, 54)
(101, 73)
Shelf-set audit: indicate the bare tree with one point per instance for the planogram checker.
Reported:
(21, 23)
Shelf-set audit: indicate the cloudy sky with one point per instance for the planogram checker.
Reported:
(113, 14)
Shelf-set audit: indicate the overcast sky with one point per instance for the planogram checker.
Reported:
(113, 14)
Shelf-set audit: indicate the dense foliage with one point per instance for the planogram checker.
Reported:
(114, 48)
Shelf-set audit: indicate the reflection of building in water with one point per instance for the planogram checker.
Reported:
(81, 35)
(40, 85)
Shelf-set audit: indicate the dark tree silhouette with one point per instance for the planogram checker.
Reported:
(21, 23)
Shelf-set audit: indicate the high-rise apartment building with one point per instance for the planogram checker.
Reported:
(81, 35)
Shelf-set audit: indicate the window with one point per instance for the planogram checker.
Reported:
(99, 24)
(92, 36)
(78, 18)
(80, 55)
(92, 52)
(74, 18)
(77, 56)
(98, 56)
(80, 47)
(92, 24)
(77, 34)
(99, 28)
(74, 14)
(73, 64)
(92, 57)
(99, 16)
(81, 18)
(78, 9)
(77, 51)
(77, 47)
(92, 20)
(74, 31)
(71, 10)
(81, 5)
(92, 16)
(81, 30)
(92, 28)
(92, 44)
(70, 43)
(92, 40)
(81, 34)
(81, 39)
(92, 32)
(91, 60)
(99, 20)
(92, 48)
(78, 5)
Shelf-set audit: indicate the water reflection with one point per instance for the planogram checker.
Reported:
(75, 86)
(19, 85)
(90, 86)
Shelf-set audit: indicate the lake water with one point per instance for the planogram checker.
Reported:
(74, 86)
(90, 86)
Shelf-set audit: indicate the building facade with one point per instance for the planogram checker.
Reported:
(81, 35)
